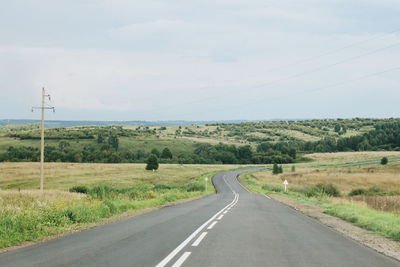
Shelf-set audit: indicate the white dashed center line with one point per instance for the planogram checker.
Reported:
(212, 225)
(198, 240)
(182, 259)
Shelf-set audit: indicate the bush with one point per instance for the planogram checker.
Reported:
(357, 192)
(195, 187)
(321, 190)
(113, 208)
(272, 188)
(275, 169)
(79, 189)
(102, 192)
(372, 191)
(152, 163)
(329, 189)
(142, 195)
(384, 161)
(161, 187)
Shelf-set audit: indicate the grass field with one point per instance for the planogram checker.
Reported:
(26, 214)
(347, 157)
(65, 175)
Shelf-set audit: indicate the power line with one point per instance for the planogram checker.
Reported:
(314, 89)
(295, 75)
(327, 66)
(333, 51)
(329, 52)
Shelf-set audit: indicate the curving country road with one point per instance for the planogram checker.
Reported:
(231, 228)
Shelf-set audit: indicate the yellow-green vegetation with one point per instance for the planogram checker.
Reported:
(98, 191)
(367, 195)
(25, 175)
(349, 157)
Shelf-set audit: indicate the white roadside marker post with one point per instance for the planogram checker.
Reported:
(206, 179)
(285, 183)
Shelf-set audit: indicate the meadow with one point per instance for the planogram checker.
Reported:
(62, 176)
(78, 196)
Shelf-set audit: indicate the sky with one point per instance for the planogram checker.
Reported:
(200, 59)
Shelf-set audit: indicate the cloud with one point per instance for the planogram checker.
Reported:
(194, 59)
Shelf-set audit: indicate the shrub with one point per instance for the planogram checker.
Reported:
(113, 208)
(329, 189)
(357, 192)
(102, 192)
(152, 162)
(321, 190)
(275, 169)
(195, 187)
(142, 195)
(79, 189)
(161, 187)
(384, 161)
(272, 188)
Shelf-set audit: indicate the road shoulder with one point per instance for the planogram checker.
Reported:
(376, 242)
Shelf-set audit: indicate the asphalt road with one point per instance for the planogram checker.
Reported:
(231, 228)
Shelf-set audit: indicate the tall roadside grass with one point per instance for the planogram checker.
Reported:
(380, 203)
(385, 223)
(30, 216)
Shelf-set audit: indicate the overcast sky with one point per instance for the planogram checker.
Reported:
(200, 59)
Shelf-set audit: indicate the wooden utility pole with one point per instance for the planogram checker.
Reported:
(42, 108)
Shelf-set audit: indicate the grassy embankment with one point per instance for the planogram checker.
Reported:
(110, 189)
(366, 195)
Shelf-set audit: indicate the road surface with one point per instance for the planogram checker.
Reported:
(231, 228)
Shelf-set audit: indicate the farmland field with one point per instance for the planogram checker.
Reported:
(25, 175)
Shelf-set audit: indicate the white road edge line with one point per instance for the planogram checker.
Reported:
(193, 235)
(199, 239)
(212, 225)
(220, 217)
(267, 196)
(182, 259)
(225, 211)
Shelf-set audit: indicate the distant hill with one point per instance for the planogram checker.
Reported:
(203, 142)
(60, 123)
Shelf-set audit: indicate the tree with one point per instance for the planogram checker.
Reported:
(166, 153)
(293, 168)
(384, 161)
(292, 153)
(280, 169)
(113, 141)
(337, 128)
(63, 145)
(155, 151)
(275, 169)
(245, 153)
(100, 138)
(152, 162)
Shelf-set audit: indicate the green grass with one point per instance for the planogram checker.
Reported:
(35, 223)
(384, 223)
(112, 189)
